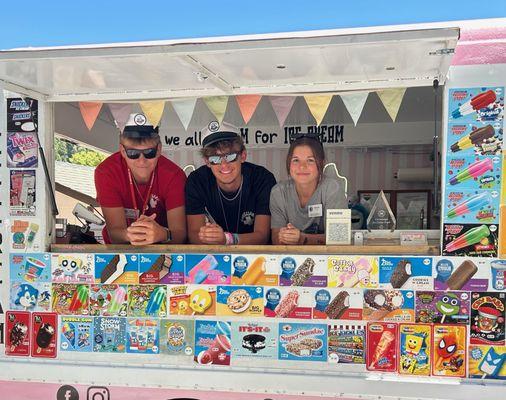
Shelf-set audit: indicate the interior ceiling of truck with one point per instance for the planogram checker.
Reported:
(310, 62)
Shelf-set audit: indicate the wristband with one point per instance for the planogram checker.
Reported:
(169, 235)
(236, 238)
(229, 238)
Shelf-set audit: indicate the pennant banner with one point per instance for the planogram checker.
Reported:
(354, 103)
(282, 105)
(247, 105)
(153, 110)
(90, 111)
(217, 105)
(392, 99)
(184, 109)
(120, 112)
(318, 105)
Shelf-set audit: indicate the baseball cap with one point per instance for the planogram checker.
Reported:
(137, 127)
(216, 132)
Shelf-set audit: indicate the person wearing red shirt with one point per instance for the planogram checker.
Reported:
(140, 191)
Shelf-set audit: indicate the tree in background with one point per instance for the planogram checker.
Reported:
(73, 153)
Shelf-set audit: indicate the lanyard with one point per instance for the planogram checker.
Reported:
(132, 194)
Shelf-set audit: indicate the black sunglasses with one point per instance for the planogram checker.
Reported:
(216, 160)
(134, 154)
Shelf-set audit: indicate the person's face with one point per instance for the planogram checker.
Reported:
(142, 166)
(303, 166)
(226, 172)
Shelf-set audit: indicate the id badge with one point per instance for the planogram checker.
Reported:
(314, 210)
(131, 214)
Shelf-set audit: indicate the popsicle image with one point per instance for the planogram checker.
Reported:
(117, 300)
(199, 272)
(472, 236)
(79, 298)
(492, 363)
(386, 339)
(475, 137)
(255, 271)
(474, 203)
(155, 300)
(461, 275)
(69, 332)
(474, 170)
(476, 103)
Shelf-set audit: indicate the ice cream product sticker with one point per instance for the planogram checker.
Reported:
(462, 273)
(255, 269)
(382, 346)
(212, 342)
(302, 342)
(255, 339)
(449, 350)
(108, 300)
(488, 362)
(109, 334)
(76, 333)
(389, 305)
(415, 346)
(498, 269)
(335, 303)
(487, 318)
(288, 302)
(142, 336)
(405, 272)
(70, 298)
(44, 335)
(161, 268)
(17, 333)
(240, 301)
(191, 299)
(72, 268)
(212, 269)
(303, 271)
(177, 337)
(484, 104)
(346, 343)
(442, 307)
(35, 296)
(117, 268)
(353, 271)
(30, 267)
(470, 240)
(147, 301)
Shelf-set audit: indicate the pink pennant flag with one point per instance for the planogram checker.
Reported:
(247, 105)
(120, 112)
(89, 111)
(282, 105)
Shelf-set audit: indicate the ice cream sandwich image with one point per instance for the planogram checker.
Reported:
(161, 266)
(461, 275)
(303, 272)
(338, 305)
(114, 269)
(401, 274)
(253, 342)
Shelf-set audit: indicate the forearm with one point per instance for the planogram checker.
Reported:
(312, 238)
(256, 237)
(118, 235)
(178, 236)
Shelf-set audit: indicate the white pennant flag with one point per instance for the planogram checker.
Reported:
(354, 103)
(184, 109)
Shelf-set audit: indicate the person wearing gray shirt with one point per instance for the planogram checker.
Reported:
(298, 205)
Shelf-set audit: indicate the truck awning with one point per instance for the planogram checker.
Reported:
(295, 63)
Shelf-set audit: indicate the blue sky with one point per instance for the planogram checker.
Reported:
(52, 23)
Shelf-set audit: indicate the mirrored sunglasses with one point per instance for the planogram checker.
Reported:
(216, 160)
(134, 154)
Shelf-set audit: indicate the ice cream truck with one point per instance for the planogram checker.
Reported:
(411, 118)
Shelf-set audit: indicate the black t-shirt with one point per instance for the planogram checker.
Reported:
(202, 191)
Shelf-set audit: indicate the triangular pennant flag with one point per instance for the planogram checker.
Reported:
(282, 105)
(89, 111)
(120, 112)
(247, 105)
(392, 99)
(153, 110)
(217, 105)
(318, 105)
(184, 110)
(354, 103)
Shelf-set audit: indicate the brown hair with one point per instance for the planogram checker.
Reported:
(315, 146)
(224, 146)
(139, 140)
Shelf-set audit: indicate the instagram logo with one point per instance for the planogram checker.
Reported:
(97, 393)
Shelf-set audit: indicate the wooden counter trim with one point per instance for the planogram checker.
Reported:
(266, 249)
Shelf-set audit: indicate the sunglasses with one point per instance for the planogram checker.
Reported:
(134, 154)
(228, 158)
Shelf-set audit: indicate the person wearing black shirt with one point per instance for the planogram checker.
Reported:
(227, 200)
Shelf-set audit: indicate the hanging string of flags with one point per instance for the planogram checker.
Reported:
(317, 104)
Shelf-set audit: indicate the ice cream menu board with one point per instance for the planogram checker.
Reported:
(473, 165)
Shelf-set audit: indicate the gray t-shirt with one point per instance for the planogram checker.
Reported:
(285, 206)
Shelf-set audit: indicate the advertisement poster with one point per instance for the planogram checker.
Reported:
(22, 193)
(24, 236)
(22, 150)
(255, 339)
(302, 342)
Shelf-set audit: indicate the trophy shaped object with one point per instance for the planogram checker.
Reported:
(381, 215)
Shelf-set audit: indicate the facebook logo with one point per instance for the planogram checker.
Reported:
(67, 392)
